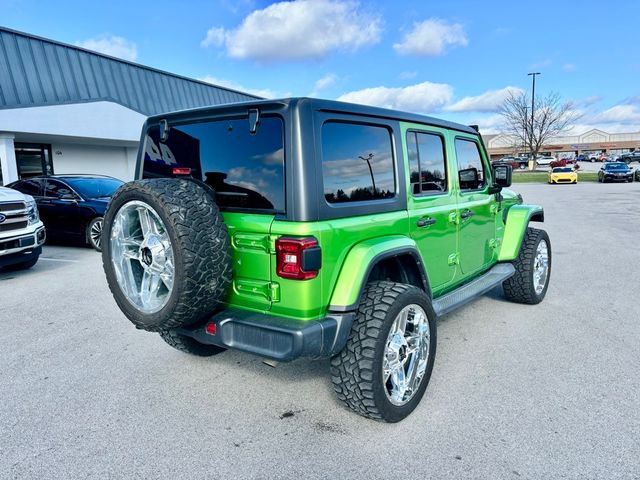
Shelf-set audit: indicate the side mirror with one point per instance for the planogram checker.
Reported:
(469, 179)
(502, 175)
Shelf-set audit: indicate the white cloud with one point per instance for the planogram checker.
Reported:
(423, 97)
(325, 82)
(111, 45)
(214, 38)
(432, 37)
(260, 92)
(299, 29)
(621, 114)
(408, 75)
(489, 101)
(585, 102)
(569, 67)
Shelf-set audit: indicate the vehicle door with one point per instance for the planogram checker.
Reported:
(477, 209)
(63, 213)
(431, 203)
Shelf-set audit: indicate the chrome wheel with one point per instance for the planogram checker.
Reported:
(406, 354)
(541, 267)
(142, 256)
(95, 233)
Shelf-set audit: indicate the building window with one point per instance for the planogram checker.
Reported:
(357, 162)
(470, 167)
(33, 160)
(427, 167)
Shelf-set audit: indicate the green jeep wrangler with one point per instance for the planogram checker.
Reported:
(303, 227)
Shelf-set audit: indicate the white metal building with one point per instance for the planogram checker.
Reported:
(64, 109)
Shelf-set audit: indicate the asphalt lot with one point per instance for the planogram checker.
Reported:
(551, 391)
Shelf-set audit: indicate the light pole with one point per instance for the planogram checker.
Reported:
(368, 160)
(533, 96)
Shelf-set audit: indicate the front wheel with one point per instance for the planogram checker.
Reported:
(384, 369)
(533, 268)
(94, 233)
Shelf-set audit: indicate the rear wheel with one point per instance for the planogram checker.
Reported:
(533, 269)
(166, 253)
(94, 233)
(384, 369)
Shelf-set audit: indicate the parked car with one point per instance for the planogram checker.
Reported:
(636, 174)
(71, 206)
(21, 231)
(583, 157)
(545, 160)
(615, 172)
(563, 175)
(355, 263)
(514, 162)
(630, 156)
(558, 163)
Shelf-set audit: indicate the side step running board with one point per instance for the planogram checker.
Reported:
(473, 289)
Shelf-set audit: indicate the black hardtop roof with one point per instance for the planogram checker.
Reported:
(317, 104)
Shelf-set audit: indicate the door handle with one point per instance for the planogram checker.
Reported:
(466, 214)
(425, 222)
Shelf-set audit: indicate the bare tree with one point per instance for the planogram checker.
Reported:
(551, 118)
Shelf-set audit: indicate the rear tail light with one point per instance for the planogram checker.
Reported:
(182, 171)
(298, 258)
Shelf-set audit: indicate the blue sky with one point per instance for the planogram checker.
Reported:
(453, 59)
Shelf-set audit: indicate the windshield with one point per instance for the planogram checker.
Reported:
(616, 166)
(562, 170)
(94, 187)
(245, 170)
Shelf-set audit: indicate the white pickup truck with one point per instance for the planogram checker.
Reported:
(21, 231)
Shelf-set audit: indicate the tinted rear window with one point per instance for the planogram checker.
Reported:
(357, 162)
(245, 170)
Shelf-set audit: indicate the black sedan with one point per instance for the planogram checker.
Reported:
(71, 206)
(615, 172)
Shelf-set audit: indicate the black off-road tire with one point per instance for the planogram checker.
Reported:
(189, 345)
(201, 250)
(520, 288)
(356, 372)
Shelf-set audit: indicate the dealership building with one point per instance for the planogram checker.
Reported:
(593, 140)
(64, 109)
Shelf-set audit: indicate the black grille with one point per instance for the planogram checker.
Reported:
(12, 207)
(6, 227)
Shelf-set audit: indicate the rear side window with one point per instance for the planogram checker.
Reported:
(246, 171)
(428, 171)
(469, 162)
(357, 162)
(31, 187)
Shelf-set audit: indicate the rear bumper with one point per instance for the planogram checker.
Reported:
(278, 338)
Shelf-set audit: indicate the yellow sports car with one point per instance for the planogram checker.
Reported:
(563, 175)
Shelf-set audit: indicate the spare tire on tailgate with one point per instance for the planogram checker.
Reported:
(166, 252)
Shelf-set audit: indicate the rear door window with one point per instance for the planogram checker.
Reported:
(245, 170)
(31, 187)
(357, 162)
